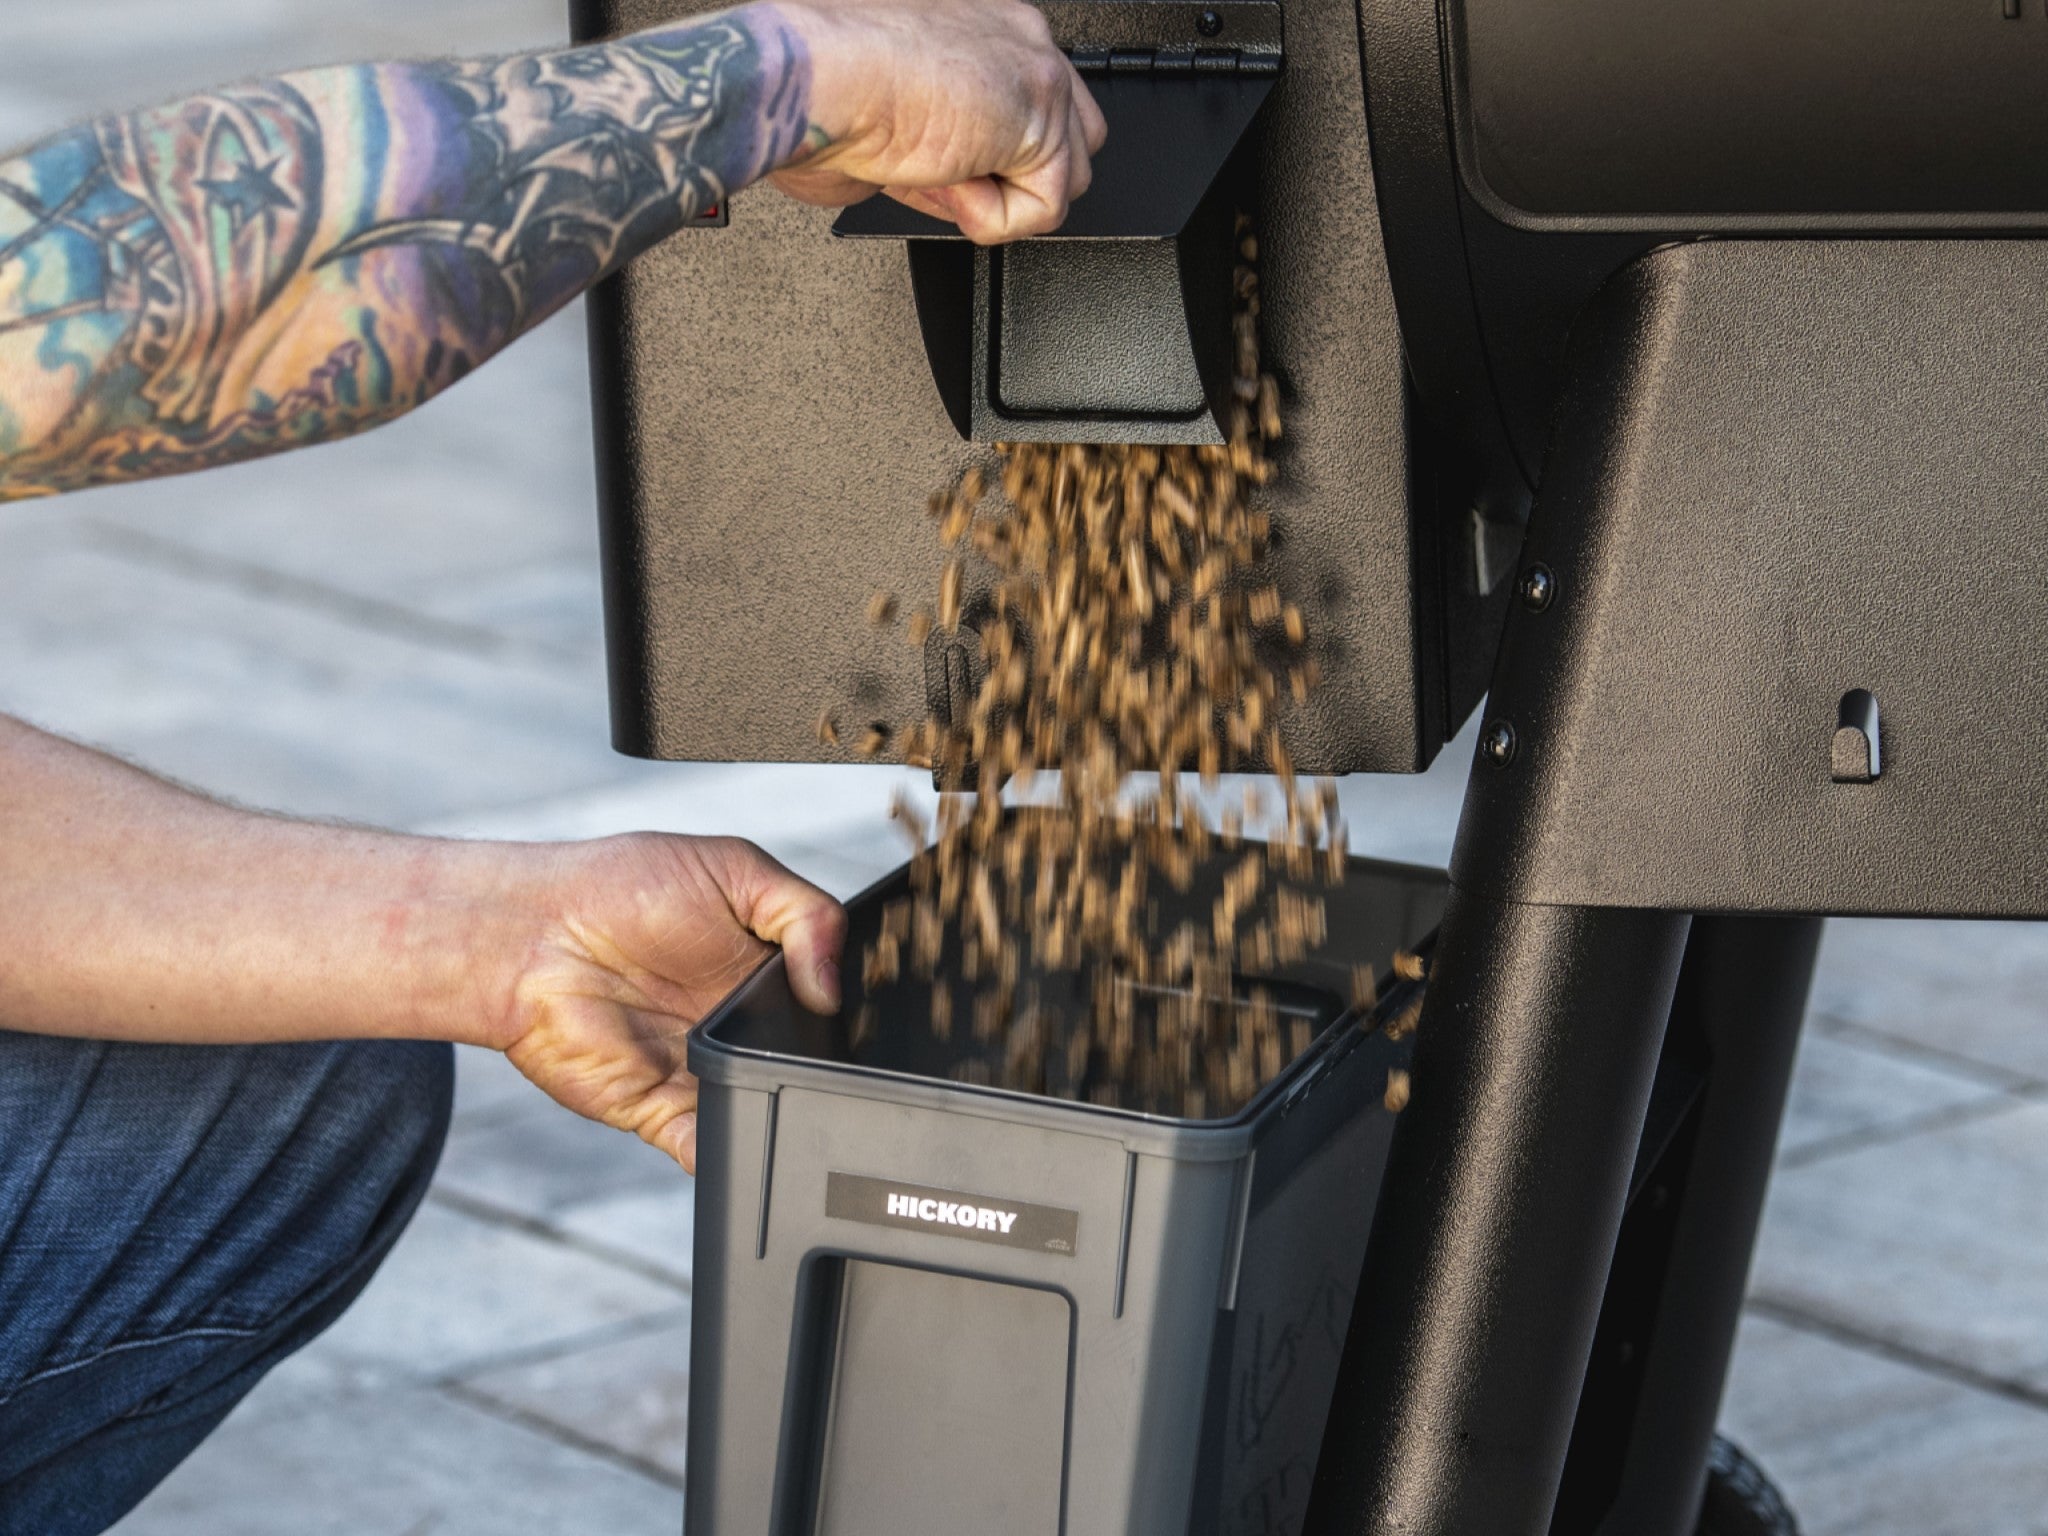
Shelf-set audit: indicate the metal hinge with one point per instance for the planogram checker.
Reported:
(1174, 61)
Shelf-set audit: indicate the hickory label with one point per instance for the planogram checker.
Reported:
(981, 1218)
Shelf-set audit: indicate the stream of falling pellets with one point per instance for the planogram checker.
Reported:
(1130, 630)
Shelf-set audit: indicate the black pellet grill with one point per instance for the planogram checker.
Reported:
(1670, 377)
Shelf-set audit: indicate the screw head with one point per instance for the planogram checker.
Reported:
(1538, 588)
(1209, 23)
(1497, 744)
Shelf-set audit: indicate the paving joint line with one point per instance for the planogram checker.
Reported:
(1835, 1026)
(558, 1349)
(1947, 1118)
(493, 1214)
(253, 579)
(2010, 1388)
(562, 1434)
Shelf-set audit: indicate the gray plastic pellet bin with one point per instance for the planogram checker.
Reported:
(924, 1308)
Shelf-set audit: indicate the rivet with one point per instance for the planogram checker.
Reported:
(1538, 588)
(1497, 745)
(1209, 23)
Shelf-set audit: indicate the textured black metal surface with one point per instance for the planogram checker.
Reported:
(1504, 1192)
(1105, 341)
(1502, 130)
(744, 527)
(1784, 471)
(1417, 183)
(1645, 1431)
(1751, 112)
(1177, 31)
(1079, 325)
(769, 430)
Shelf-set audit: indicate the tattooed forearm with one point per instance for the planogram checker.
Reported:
(292, 261)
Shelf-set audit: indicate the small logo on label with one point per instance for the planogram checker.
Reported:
(1013, 1223)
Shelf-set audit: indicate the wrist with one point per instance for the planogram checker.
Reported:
(822, 50)
(473, 922)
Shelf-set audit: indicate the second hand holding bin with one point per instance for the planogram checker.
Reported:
(924, 1308)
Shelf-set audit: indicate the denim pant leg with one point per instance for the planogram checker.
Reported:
(173, 1222)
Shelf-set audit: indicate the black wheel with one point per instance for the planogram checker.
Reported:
(1741, 1500)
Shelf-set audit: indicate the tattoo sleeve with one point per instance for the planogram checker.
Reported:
(291, 261)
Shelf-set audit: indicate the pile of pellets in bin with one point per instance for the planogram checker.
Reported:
(1129, 632)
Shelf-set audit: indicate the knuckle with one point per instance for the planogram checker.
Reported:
(1031, 142)
(1094, 124)
(736, 857)
(1035, 28)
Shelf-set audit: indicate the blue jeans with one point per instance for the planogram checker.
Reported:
(173, 1222)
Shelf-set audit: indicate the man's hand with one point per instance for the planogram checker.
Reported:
(640, 937)
(963, 109)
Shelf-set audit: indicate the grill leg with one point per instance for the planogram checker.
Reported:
(1490, 1250)
(1740, 1001)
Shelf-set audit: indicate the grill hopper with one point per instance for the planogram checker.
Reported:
(771, 422)
(1148, 1349)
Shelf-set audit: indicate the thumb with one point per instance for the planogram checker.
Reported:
(678, 1138)
(784, 909)
(825, 188)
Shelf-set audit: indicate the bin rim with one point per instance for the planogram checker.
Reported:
(725, 1065)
